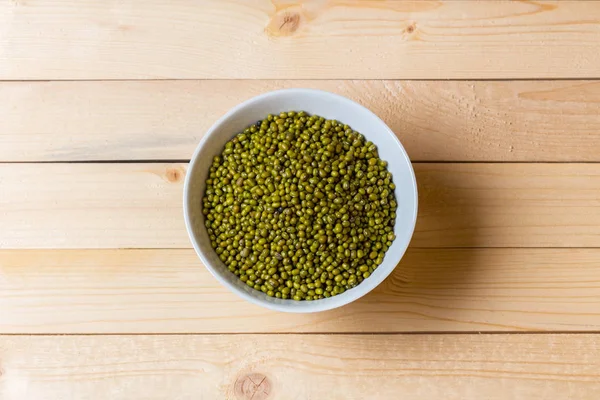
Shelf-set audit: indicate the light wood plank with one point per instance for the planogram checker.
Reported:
(92, 205)
(95, 39)
(139, 205)
(435, 120)
(169, 291)
(285, 367)
(508, 205)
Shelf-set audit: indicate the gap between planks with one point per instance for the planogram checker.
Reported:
(186, 161)
(391, 333)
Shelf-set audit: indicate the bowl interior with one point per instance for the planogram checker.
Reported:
(327, 105)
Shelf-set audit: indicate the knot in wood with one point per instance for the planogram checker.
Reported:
(174, 174)
(284, 23)
(253, 386)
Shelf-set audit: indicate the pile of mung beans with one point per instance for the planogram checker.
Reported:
(300, 207)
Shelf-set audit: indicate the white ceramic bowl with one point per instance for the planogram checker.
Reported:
(327, 105)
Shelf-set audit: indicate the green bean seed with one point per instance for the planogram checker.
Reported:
(300, 207)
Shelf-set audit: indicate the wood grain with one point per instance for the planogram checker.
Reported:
(435, 120)
(92, 205)
(140, 205)
(285, 367)
(508, 205)
(263, 39)
(169, 291)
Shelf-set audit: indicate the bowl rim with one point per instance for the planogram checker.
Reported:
(308, 306)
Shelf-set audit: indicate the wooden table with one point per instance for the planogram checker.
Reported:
(103, 102)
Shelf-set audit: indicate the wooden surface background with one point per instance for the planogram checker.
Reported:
(103, 102)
